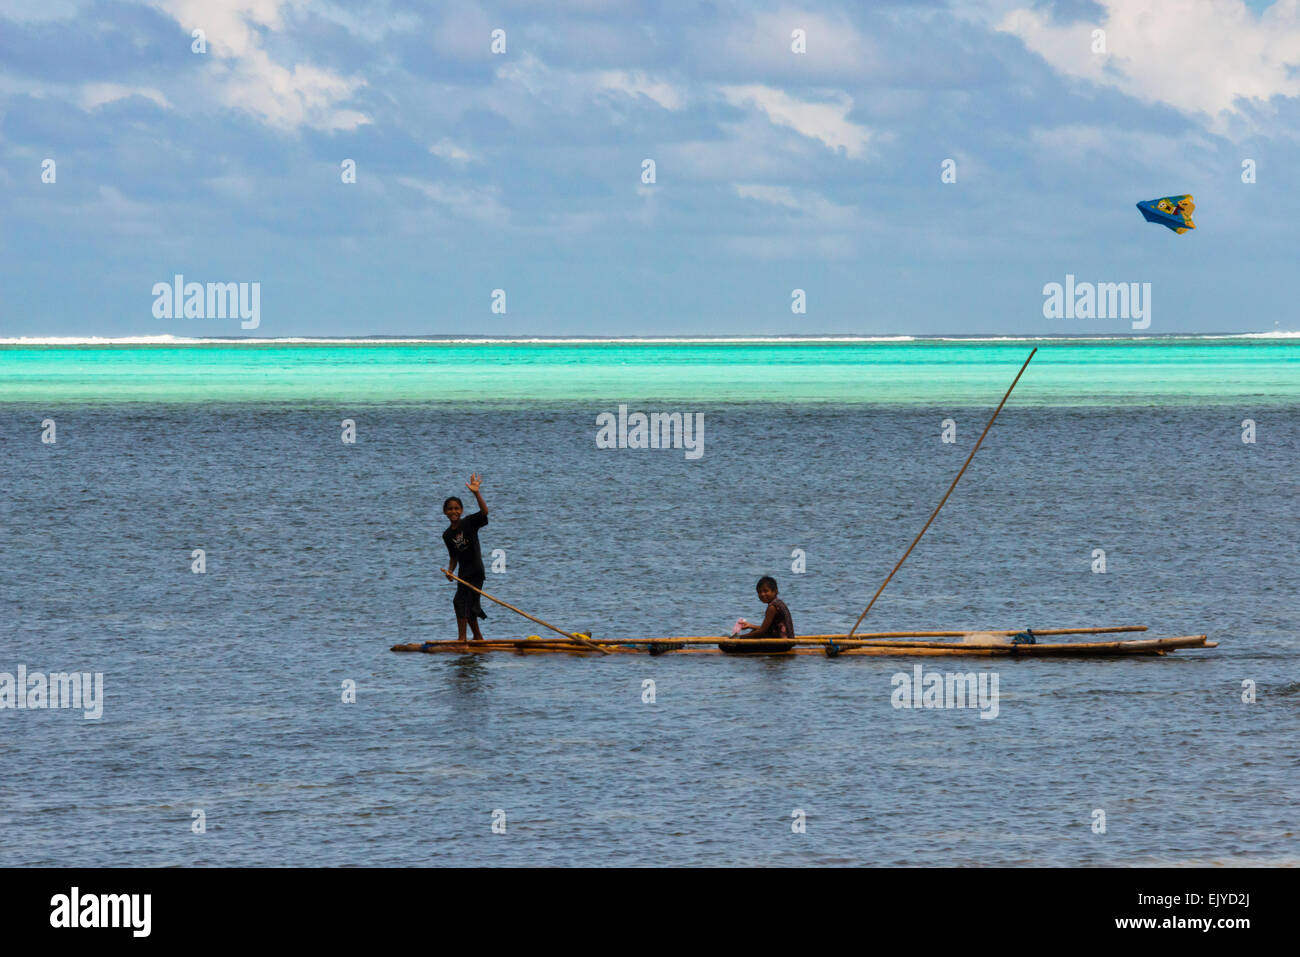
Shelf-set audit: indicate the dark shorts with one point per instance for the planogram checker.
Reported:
(466, 601)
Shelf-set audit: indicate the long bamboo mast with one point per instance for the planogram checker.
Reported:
(933, 514)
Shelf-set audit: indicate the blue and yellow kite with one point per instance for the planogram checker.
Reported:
(1172, 211)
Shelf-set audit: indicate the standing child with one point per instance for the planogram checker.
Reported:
(461, 539)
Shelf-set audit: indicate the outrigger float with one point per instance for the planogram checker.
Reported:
(1016, 644)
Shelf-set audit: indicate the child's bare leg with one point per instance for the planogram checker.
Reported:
(460, 629)
(473, 624)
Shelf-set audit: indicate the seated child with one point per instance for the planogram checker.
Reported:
(777, 622)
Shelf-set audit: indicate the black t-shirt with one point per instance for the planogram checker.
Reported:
(462, 545)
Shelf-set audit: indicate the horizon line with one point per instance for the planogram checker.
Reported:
(167, 339)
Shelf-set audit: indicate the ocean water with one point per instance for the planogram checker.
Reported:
(476, 373)
(223, 690)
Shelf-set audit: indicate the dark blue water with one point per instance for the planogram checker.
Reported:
(224, 689)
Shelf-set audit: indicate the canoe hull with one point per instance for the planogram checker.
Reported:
(1072, 649)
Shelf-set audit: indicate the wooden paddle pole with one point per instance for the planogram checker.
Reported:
(572, 636)
(978, 443)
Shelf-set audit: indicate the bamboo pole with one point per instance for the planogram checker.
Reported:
(933, 514)
(572, 636)
(865, 636)
(879, 639)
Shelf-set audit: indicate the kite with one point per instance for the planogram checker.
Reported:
(1174, 212)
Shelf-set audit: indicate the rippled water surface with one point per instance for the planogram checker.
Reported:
(223, 690)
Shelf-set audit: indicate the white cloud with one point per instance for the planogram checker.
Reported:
(1209, 57)
(363, 21)
(745, 147)
(238, 186)
(246, 76)
(230, 26)
(121, 214)
(1084, 144)
(573, 90)
(446, 149)
(288, 99)
(817, 208)
(467, 203)
(40, 11)
(762, 45)
(95, 95)
(634, 84)
(775, 195)
(827, 121)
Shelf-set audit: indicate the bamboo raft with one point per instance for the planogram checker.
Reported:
(969, 643)
(1012, 644)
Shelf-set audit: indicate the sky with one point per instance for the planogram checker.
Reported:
(523, 169)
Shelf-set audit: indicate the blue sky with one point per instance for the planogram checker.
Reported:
(522, 171)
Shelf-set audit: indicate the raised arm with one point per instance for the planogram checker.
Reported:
(473, 486)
